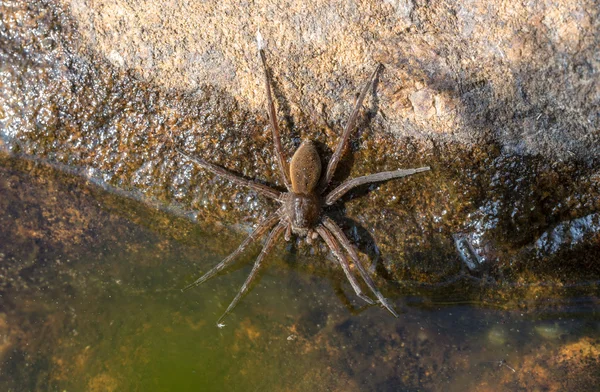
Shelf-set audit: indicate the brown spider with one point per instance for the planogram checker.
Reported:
(301, 210)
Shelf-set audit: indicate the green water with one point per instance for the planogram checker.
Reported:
(91, 301)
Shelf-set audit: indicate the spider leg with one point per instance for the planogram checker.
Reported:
(335, 248)
(337, 155)
(219, 171)
(338, 192)
(283, 167)
(259, 231)
(275, 233)
(288, 232)
(341, 237)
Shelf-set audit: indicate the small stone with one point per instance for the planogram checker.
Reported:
(422, 103)
(497, 336)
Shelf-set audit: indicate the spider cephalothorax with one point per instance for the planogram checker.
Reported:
(301, 210)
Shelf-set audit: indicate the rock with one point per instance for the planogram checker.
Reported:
(500, 101)
(422, 103)
(524, 74)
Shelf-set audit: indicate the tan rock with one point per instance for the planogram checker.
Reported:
(504, 60)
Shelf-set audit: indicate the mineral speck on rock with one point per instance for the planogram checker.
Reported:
(422, 102)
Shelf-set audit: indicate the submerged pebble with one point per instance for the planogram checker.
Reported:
(549, 331)
(497, 335)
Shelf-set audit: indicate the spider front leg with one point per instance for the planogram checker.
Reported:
(219, 171)
(283, 167)
(341, 237)
(337, 155)
(275, 233)
(259, 231)
(338, 192)
(335, 248)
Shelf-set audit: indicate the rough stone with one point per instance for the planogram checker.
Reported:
(525, 74)
(478, 91)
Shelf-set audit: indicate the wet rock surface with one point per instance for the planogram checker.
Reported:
(484, 206)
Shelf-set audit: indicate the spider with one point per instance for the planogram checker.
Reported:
(301, 211)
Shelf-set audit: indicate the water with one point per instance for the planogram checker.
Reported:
(91, 301)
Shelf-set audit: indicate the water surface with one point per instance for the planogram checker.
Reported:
(91, 301)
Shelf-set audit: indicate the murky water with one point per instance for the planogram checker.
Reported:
(91, 301)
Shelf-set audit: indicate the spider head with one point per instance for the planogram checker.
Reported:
(303, 212)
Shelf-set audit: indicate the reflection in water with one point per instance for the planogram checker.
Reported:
(91, 301)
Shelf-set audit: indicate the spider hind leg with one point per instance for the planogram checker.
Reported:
(271, 240)
(341, 237)
(335, 248)
(259, 231)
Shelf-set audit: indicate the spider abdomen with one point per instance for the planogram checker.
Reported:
(303, 211)
(305, 168)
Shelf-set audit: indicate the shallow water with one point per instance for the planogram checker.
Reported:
(91, 301)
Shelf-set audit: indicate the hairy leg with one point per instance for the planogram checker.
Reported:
(288, 232)
(259, 231)
(283, 167)
(335, 248)
(271, 239)
(339, 234)
(338, 192)
(219, 171)
(337, 155)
